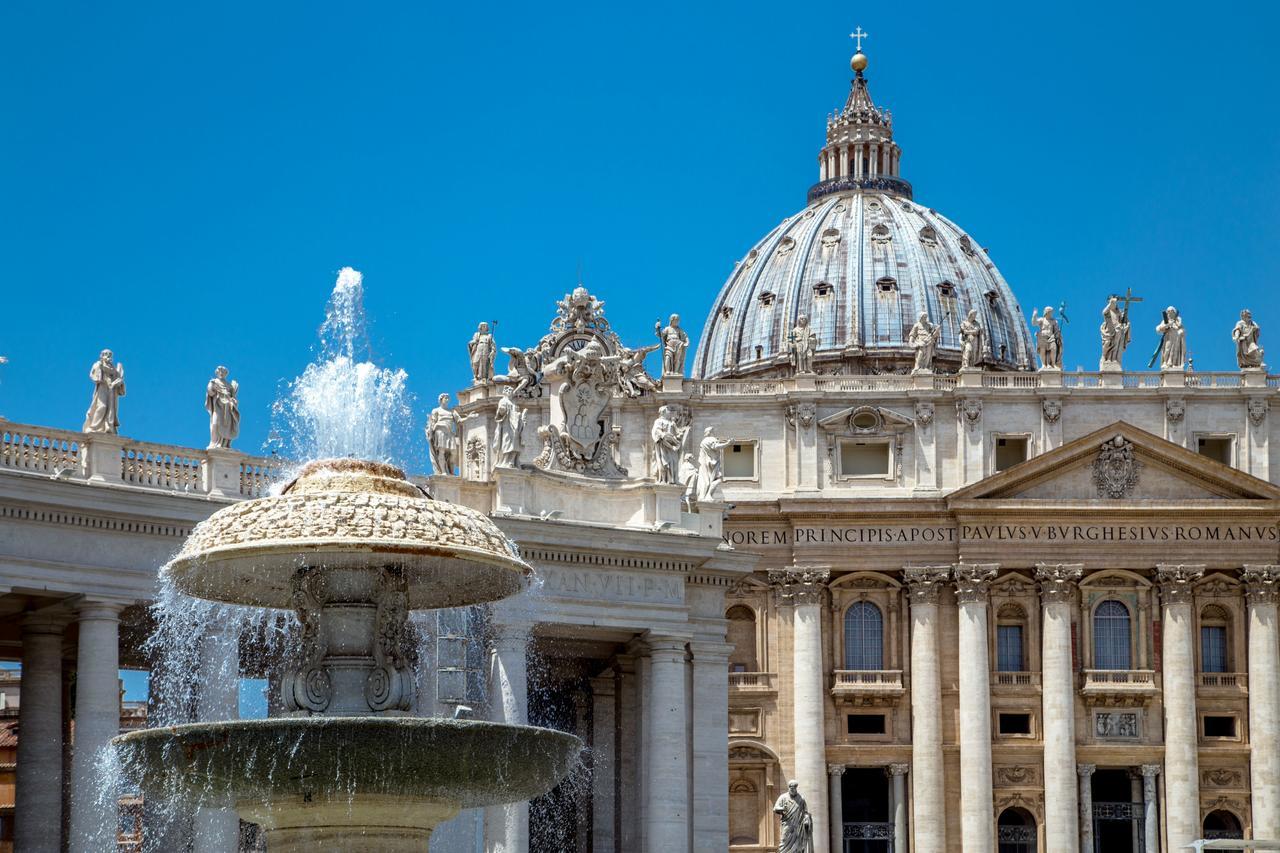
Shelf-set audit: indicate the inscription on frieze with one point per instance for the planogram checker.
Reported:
(891, 536)
(590, 585)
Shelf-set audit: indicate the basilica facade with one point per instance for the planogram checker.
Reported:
(867, 535)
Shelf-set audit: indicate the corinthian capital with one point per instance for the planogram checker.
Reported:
(973, 580)
(1262, 584)
(925, 582)
(800, 586)
(1177, 582)
(1058, 581)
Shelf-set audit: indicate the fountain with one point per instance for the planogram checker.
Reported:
(351, 547)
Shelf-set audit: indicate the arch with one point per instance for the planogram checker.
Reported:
(1115, 578)
(1012, 611)
(1016, 831)
(857, 579)
(1221, 823)
(743, 747)
(880, 233)
(863, 636)
(1112, 635)
(744, 656)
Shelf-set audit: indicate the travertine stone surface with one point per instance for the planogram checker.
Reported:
(1181, 766)
(1057, 593)
(1263, 584)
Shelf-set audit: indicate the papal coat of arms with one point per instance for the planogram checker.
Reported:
(1115, 471)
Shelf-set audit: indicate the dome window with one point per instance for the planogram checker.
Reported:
(830, 239)
(993, 298)
(947, 290)
(887, 285)
(751, 258)
(929, 236)
(873, 205)
(966, 245)
(759, 351)
(766, 298)
(880, 234)
(822, 289)
(726, 312)
(785, 247)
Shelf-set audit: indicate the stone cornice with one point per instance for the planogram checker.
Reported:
(91, 521)
(800, 586)
(1262, 583)
(924, 583)
(1058, 581)
(973, 580)
(1177, 582)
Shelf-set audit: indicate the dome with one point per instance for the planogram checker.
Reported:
(862, 261)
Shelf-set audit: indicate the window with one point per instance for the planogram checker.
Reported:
(1015, 724)
(1213, 640)
(864, 459)
(1222, 824)
(1111, 636)
(1016, 831)
(767, 298)
(863, 636)
(822, 288)
(946, 289)
(740, 461)
(929, 236)
(1009, 649)
(886, 285)
(742, 636)
(1010, 451)
(1218, 448)
(1216, 726)
(866, 724)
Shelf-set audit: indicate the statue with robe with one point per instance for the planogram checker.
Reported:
(797, 823)
(972, 336)
(923, 338)
(508, 424)
(668, 439)
(1048, 339)
(523, 367)
(633, 379)
(675, 341)
(1173, 341)
(1115, 333)
(802, 344)
(710, 465)
(442, 437)
(1245, 335)
(108, 387)
(223, 406)
(483, 351)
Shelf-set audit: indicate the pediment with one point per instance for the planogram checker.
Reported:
(1117, 464)
(866, 420)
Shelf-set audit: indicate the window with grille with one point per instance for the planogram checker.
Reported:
(1213, 648)
(863, 637)
(1009, 648)
(1111, 648)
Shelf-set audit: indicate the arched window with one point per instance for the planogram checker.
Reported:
(1011, 639)
(1016, 831)
(1222, 824)
(1111, 640)
(863, 637)
(742, 636)
(1213, 640)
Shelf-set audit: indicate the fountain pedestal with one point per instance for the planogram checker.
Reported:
(386, 823)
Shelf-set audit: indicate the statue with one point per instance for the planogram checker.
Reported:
(108, 387)
(1048, 339)
(508, 425)
(689, 479)
(442, 436)
(674, 342)
(1172, 351)
(710, 465)
(923, 338)
(971, 337)
(224, 409)
(523, 367)
(483, 351)
(1246, 334)
(1115, 333)
(797, 823)
(633, 379)
(668, 441)
(802, 343)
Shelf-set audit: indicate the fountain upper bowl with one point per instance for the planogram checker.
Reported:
(346, 513)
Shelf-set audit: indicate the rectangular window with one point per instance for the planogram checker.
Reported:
(1010, 451)
(1213, 648)
(740, 461)
(1015, 724)
(1217, 448)
(1009, 648)
(866, 724)
(1219, 726)
(864, 459)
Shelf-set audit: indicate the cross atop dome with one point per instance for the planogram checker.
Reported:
(858, 35)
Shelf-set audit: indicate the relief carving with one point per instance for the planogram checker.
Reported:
(1115, 471)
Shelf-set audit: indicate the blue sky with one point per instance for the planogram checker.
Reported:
(182, 182)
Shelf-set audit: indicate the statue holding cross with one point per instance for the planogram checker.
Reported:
(1115, 330)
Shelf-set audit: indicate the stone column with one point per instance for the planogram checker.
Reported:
(509, 691)
(929, 810)
(710, 746)
(1263, 585)
(604, 761)
(1181, 761)
(1085, 818)
(1062, 816)
(38, 797)
(218, 698)
(666, 800)
(835, 798)
(628, 709)
(977, 808)
(803, 591)
(1150, 814)
(93, 815)
(898, 775)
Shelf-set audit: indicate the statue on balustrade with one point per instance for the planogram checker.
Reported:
(797, 823)
(1115, 333)
(1048, 339)
(675, 341)
(710, 466)
(668, 441)
(802, 343)
(483, 350)
(508, 424)
(972, 337)
(108, 387)
(1246, 334)
(442, 437)
(223, 406)
(1172, 351)
(923, 338)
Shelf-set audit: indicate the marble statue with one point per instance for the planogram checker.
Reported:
(1115, 334)
(223, 406)
(508, 425)
(483, 351)
(689, 479)
(523, 367)
(675, 341)
(797, 823)
(668, 441)
(633, 379)
(971, 337)
(108, 387)
(1173, 341)
(710, 465)
(1246, 334)
(923, 338)
(442, 437)
(1048, 339)
(802, 344)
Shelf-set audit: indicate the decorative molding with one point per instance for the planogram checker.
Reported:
(1115, 470)
(970, 412)
(1058, 581)
(1150, 771)
(800, 586)
(609, 560)
(1262, 583)
(924, 415)
(1116, 725)
(897, 769)
(1052, 409)
(94, 522)
(802, 414)
(1258, 407)
(1084, 771)
(1174, 409)
(836, 769)
(1221, 777)
(308, 685)
(1016, 776)
(972, 581)
(924, 583)
(1177, 582)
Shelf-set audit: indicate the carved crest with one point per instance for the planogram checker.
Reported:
(924, 414)
(1174, 409)
(802, 414)
(970, 412)
(1052, 411)
(1258, 410)
(1115, 471)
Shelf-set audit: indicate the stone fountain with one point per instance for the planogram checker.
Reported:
(351, 547)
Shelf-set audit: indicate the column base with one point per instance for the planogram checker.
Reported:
(389, 824)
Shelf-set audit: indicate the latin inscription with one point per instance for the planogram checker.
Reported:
(1038, 533)
(611, 586)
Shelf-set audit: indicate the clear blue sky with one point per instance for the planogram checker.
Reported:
(182, 181)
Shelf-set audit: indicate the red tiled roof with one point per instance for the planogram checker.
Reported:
(9, 733)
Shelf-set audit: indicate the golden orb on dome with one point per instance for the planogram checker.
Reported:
(859, 61)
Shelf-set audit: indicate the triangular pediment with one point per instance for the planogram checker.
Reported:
(1119, 463)
(869, 420)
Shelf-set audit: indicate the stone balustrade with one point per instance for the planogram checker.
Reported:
(1234, 682)
(1114, 681)
(752, 682)
(1015, 679)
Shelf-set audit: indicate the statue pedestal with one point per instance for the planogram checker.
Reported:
(1254, 377)
(971, 377)
(102, 460)
(672, 384)
(221, 472)
(1050, 377)
(1173, 377)
(806, 381)
(922, 380)
(710, 518)
(1112, 374)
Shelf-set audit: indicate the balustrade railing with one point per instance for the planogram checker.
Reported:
(1124, 679)
(868, 678)
(1015, 679)
(174, 469)
(45, 451)
(1224, 680)
(751, 681)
